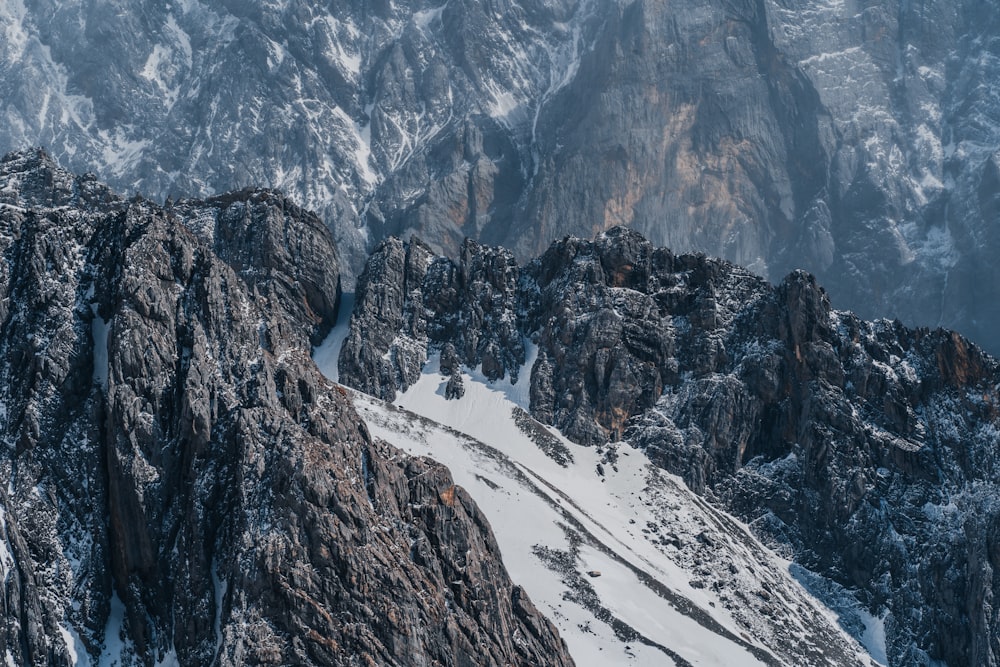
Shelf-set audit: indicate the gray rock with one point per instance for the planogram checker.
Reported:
(855, 141)
(179, 473)
(470, 305)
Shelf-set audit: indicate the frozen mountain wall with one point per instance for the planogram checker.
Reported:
(182, 486)
(856, 140)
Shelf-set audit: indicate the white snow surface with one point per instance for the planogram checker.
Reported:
(75, 647)
(328, 351)
(117, 646)
(615, 524)
(874, 637)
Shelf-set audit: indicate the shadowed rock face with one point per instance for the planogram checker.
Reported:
(855, 140)
(867, 451)
(181, 479)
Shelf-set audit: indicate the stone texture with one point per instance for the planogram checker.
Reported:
(176, 462)
(855, 140)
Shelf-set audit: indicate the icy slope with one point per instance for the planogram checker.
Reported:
(679, 581)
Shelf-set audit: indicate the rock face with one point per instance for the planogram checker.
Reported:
(406, 297)
(866, 450)
(855, 140)
(182, 482)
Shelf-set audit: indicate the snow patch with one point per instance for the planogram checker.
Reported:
(423, 19)
(219, 588)
(117, 646)
(622, 518)
(75, 647)
(15, 34)
(361, 136)
(349, 61)
(169, 659)
(181, 39)
(518, 393)
(158, 70)
(327, 353)
(873, 638)
(6, 556)
(119, 152)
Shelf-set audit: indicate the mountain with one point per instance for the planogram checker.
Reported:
(183, 487)
(631, 566)
(677, 461)
(866, 452)
(858, 141)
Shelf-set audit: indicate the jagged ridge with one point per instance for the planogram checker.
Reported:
(867, 450)
(183, 484)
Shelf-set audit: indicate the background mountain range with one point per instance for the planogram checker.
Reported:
(857, 140)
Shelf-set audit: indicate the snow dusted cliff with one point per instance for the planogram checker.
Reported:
(864, 452)
(856, 140)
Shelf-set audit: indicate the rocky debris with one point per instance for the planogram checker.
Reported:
(451, 368)
(865, 450)
(454, 388)
(545, 441)
(183, 484)
(280, 250)
(31, 179)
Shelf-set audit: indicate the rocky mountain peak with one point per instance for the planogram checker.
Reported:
(184, 487)
(856, 142)
(32, 178)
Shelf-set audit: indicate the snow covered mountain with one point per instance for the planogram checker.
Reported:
(677, 462)
(631, 566)
(857, 140)
(864, 452)
(184, 488)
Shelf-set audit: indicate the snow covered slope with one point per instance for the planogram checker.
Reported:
(677, 580)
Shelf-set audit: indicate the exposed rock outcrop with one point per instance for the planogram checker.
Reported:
(406, 297)
(183, 483)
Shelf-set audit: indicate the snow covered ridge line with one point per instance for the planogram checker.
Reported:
(839, 441)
